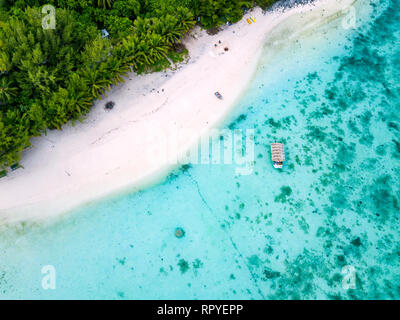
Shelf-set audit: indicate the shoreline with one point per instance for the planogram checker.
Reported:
(115, 152)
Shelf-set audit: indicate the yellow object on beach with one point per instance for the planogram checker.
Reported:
(248, 21)
(253, 19)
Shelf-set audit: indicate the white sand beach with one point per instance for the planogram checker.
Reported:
(121, 149)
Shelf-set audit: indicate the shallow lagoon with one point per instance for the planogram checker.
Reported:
(333, 98)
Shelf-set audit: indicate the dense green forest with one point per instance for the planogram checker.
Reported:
(49, 76)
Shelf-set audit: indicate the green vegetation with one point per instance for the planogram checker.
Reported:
(51, 76)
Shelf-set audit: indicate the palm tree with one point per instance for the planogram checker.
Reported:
(142, 26)
(167, 27)
(185, 18)
(7, 92)
(150, 49)
(57, 108)
(95, 81)
(127, 50)
(78, 94)
(5, 63)
(157, 47)
(40, 80)
(117, 69)
(104, 3)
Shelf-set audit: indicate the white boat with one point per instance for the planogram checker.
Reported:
(277, 154)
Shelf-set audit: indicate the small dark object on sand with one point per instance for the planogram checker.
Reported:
(15, 166)
(226, 48)
(179, 232)
(218, 95)
(109, 105)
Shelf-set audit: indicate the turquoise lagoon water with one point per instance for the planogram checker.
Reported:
(333, 98)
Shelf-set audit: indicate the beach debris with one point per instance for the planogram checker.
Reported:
(15, 166)
(179, 232)
(252, 18)
(277, 154)
(219, 48)
(218, 95)
(248, 21)
(109, 105)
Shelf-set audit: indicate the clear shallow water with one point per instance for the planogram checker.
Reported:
(333, 98)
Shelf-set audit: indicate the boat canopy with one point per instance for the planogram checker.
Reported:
(277, 152)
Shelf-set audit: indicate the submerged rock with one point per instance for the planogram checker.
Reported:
(179, 233)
